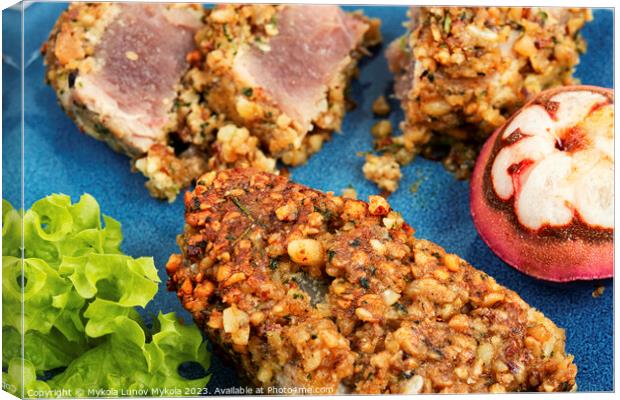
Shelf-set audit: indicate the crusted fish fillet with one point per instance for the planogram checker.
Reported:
(282, 71)
(183, 89)
(313, 291)
(460, 72)
(117, 69)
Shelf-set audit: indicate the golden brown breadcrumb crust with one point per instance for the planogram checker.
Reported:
(306, 289)
(230, 27)
(462, 71)
(220, 128)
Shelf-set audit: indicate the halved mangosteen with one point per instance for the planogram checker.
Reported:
(542, 190)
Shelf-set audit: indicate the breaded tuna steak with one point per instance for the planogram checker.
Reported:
(183, 90)
(460, 72)
(116, 67)
(309, 290)
(281, 71)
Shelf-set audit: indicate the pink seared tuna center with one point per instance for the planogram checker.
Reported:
(311, 47)
(144, 54)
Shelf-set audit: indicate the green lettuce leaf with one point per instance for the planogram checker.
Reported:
(54, 228)
(129, 282)
(43, 289)
(11, 230)
(18, 370)
(80, 296)
(172, 346)
(44, 351)
(122, 363)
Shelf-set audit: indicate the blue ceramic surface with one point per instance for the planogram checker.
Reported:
(60, 159)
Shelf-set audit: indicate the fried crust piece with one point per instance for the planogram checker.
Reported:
(460, 72)
(309, 290)
(231, 29)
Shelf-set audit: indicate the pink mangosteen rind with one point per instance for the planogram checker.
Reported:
(560, 254)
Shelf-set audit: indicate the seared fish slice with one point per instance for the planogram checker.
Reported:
(183, 90)
(281, 71)
(117, 70)
(116, 67)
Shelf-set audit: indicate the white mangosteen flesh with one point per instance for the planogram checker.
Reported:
(543, 188)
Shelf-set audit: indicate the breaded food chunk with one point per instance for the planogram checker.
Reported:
(183, 90)
(313, 291)
(460, 72)
(116, 69)
(281, 71)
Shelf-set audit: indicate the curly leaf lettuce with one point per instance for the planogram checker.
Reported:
(44, 351)
(154, 365)
(19, 369)
(80, 294)
(11, 230)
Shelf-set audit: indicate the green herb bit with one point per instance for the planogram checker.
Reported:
(391, 148)
(403, 43)
(447, 24)
(543, 16)
(226, 34)
(102, 130)
(399, 307)
(243, 235)
(247, 91)
(176, 104)
(242, 207)
(364, 283)
(327, 214)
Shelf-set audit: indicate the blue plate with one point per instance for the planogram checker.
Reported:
(57, 158)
